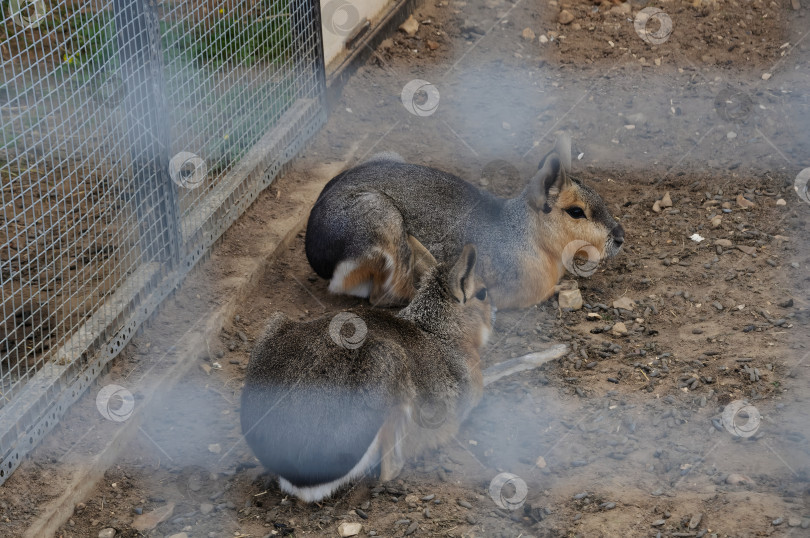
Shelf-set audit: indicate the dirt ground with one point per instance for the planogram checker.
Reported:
(623, 436)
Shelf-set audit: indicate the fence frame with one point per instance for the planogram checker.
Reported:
(46, 397)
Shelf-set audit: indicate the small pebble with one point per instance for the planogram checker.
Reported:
(464, 504)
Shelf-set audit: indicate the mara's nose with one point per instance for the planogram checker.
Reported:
(618, 235)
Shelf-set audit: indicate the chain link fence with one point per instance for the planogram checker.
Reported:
(134, 133)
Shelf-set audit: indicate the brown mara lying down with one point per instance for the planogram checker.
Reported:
(320, 410)
(376, 227)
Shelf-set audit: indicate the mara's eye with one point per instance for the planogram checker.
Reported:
(576, 212)
(481, 295)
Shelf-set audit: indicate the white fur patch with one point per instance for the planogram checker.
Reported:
(312, 494)
(343, 269)
(485, 332)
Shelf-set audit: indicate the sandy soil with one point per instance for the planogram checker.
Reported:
(624, 435)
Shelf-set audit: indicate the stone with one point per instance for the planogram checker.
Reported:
(565, 17)
(695, 521)
(748, 250)
(725, 243)
(432, 45)
(152, 519)
(349, 529)
(570, 299)
(109, 532)
(781, 201)
(622, 9)
(736, 479)
(528, 34)
(543, 39)
(178, 535)
(657, 206)
(625, 303)
(410, 26)
(666, 201)
(214, 448)
(206, 508)
(744, 203)
(619, 329)
(766, 76)
(540, 462)
(717, 220)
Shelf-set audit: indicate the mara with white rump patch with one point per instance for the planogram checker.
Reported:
(321, 408)
(375, 228)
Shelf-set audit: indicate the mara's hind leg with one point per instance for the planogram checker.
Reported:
(421, 260)
(398, 285)
(377, 275)
(392, 437)
(380, 261)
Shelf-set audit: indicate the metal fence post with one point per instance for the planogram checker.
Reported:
(138, 30)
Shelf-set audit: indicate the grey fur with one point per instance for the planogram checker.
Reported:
(389, 198)
(311, 408)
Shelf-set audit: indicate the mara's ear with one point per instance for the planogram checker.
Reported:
(563, 148)
(552, 176)
(462, 275)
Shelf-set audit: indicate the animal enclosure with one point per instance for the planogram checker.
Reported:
(678, 406)
(134, 134)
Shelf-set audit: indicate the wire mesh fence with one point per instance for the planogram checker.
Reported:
(134, 133)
